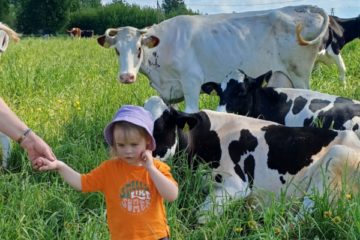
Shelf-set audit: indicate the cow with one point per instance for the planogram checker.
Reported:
(178, 55)
(6, 33)
(241, 94)
(87, 33)
(248, 156)
(340, 32)
(75, 32)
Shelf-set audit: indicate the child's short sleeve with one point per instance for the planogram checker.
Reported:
(164, 169)
(94, 180)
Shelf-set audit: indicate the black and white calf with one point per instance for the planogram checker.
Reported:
(248, 155)
(244, 95)
(340, 32)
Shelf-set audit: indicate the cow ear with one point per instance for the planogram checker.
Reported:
(150, 41)
(264, 79)
(209, 87)
(101, 40)
(186, 119)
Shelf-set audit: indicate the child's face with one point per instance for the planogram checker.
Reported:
(129, 145)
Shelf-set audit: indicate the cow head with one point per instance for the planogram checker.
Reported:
(128, 43)
(168, 127)
(236, 91)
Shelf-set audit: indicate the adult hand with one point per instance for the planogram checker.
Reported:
(36, 147)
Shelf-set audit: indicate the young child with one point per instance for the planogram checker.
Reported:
(134, 184)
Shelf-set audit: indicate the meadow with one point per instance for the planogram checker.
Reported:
(66, 91)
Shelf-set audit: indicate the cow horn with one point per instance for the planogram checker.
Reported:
(13, 35)
(108, 39)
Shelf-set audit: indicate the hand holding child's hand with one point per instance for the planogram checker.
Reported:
(44, 164)
(147, 159)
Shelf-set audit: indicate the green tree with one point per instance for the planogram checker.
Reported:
(81, 4)
(43, 16)
(4, 10)
(173, 6)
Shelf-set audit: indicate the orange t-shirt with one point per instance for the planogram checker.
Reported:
(135, 209)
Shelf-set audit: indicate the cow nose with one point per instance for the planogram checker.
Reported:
(127, 78)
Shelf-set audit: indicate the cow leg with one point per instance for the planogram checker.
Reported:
(5, 146)
(232, 187)
(341, 67)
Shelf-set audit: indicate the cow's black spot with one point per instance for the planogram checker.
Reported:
(205, 143)
(249, 168)
(271, 105)
(247, 143)
(218, 178)
(282, 180)
(355, 127)
(317, 104)
(164, 134)
(299, 104)
(239, 172)
(291, 148)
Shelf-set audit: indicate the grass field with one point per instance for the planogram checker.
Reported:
(66, 91)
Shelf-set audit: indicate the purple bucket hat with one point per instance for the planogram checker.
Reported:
(135, 115)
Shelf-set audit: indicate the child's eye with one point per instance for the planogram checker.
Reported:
(120, 145)
(134, 144)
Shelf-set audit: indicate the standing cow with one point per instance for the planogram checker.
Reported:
(244, 95)
(248, 156)
(6, 33)
(75, 32)
(180, 54)
(340, 32)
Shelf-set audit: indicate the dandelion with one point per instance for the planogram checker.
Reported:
(348, 196)
(252, 224)
(238, 229)
(327, 214)
(336, 219)
(277, 230)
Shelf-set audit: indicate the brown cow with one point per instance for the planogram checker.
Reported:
(75, 32)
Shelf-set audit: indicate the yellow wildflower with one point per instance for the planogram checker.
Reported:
(327, 214)
(336, 219)
(238, 229)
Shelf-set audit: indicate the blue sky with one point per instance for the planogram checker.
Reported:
(342, 8)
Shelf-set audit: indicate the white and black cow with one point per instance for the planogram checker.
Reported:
(340, 32)
(250, 155)
(6, 33)
(244, 95)
(178, 55)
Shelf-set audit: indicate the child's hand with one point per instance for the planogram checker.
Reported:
(44, 164)
(147, 159)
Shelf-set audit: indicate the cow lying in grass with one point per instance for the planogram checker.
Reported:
(244, 95)
(250, 155)
(6, 33)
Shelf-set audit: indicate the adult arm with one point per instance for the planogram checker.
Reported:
(12, 126)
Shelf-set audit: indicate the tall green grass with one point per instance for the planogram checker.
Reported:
(66, 90)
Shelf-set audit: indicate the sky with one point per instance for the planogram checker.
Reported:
(340, 8)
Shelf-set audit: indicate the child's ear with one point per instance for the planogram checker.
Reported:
(148, 143)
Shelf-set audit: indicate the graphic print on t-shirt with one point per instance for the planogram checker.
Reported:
(135, 197)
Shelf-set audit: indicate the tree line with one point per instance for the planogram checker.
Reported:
(55, 16)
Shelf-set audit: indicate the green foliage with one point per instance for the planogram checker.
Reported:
(114, 15)
(66, 90)
(4, 10)
(43, 16)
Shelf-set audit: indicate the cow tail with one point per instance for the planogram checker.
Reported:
(13, 35)
(324, 28)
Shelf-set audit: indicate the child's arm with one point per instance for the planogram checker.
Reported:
(167, 189)
(70, 176)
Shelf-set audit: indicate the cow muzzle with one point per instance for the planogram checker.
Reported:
(127, 78)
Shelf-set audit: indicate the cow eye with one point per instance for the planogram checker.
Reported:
(139, 52)
(117, 52)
